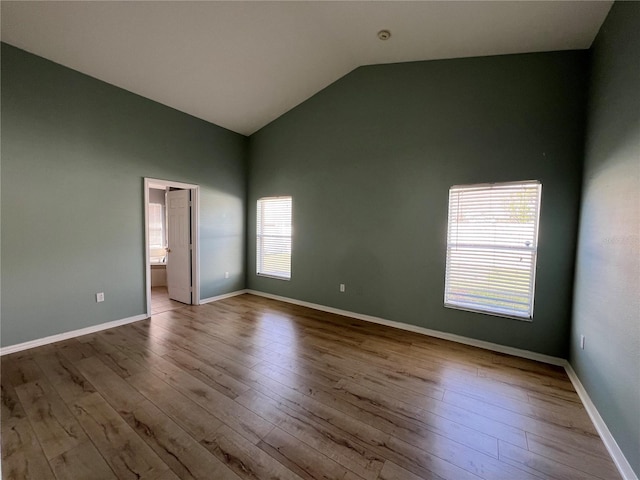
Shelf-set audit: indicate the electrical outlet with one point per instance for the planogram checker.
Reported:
(582, 342)
(226, 274)
(100, 297)
(342, 289)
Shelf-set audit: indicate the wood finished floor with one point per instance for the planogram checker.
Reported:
(160, 301)
(250, 388)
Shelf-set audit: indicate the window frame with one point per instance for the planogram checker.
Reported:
(533, 249)
(260, 237)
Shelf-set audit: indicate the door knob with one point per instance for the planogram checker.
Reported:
(168, 250)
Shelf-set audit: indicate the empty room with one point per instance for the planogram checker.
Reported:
(376, 240)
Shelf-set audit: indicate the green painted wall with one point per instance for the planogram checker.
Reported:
(607, 289)
(74, 154)
(370, 159)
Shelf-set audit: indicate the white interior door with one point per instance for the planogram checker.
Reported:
(178, 245)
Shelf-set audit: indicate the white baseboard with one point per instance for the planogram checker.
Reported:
(425, 331)
(222, 297)
(67, 335)
(612, 446)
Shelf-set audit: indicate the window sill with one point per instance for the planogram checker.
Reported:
(491, 314)
(275, 277)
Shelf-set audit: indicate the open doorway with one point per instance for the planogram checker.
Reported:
(171, 244)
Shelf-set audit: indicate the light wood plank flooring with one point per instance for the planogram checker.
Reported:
(160, 301)
(250, 388)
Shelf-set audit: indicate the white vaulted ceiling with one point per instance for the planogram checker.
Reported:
(242, 64)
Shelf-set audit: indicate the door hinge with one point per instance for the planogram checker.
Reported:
(191, 246)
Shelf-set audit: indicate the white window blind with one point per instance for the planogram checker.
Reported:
(157, 243)
(156, 230)
(492, 244)
(273, 239)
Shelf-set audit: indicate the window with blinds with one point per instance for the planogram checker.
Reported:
(157, 233)
(492, 243)
(273, 238)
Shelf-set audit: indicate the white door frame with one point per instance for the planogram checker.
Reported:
(195, 235)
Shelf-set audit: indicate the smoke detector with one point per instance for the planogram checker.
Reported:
(384, 34)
